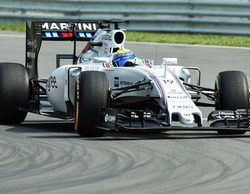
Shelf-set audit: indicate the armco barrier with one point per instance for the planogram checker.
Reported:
(192, 16)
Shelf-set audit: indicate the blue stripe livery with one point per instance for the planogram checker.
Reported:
(59, 34)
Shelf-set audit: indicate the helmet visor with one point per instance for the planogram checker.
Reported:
(121, 60)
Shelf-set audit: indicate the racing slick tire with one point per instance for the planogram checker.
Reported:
(14, 93)
(91, 95)
(232, 93)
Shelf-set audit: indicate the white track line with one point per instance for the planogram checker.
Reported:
(189, 45)
(12, 35)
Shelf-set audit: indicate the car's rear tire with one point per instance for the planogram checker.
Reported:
(14, 92)
(91, 95)
(232, 93)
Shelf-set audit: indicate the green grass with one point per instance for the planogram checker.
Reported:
(178, 38)
(203, 39)
(13, 27)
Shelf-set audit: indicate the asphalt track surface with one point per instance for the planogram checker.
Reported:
(41, 157)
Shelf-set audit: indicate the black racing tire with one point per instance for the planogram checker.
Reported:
(232, 92)
(14, 93)
(91, 95)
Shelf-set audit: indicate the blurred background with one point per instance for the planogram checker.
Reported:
(188, 16)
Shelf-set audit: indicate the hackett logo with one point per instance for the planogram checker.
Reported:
(67, 26)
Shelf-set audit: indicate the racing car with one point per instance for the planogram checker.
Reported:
(99, 94)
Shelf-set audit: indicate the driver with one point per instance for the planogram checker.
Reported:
(123, 57)
(126, 58)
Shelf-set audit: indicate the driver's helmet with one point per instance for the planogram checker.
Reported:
(122, 56)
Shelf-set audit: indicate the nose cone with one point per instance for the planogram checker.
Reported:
(186, 118)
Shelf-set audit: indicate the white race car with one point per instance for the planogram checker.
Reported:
(99, 94)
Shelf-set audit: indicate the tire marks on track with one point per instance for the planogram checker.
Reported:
(39, 160)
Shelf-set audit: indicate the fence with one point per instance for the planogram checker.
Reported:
(191, 16)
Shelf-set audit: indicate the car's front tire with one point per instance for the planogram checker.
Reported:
(90, 96)
(14, 92)
(232, 93)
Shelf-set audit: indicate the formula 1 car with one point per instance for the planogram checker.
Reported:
(98, 96)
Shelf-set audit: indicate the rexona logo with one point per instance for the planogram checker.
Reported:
(67, 26)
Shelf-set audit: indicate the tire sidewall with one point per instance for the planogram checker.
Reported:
(91, 95)
(14, 92)
(232, 93)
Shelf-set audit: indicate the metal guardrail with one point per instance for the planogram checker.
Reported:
(191, 16)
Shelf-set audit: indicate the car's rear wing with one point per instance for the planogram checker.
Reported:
(38, 31)
(68, 30)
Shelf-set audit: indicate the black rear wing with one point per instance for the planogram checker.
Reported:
(38, 31)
